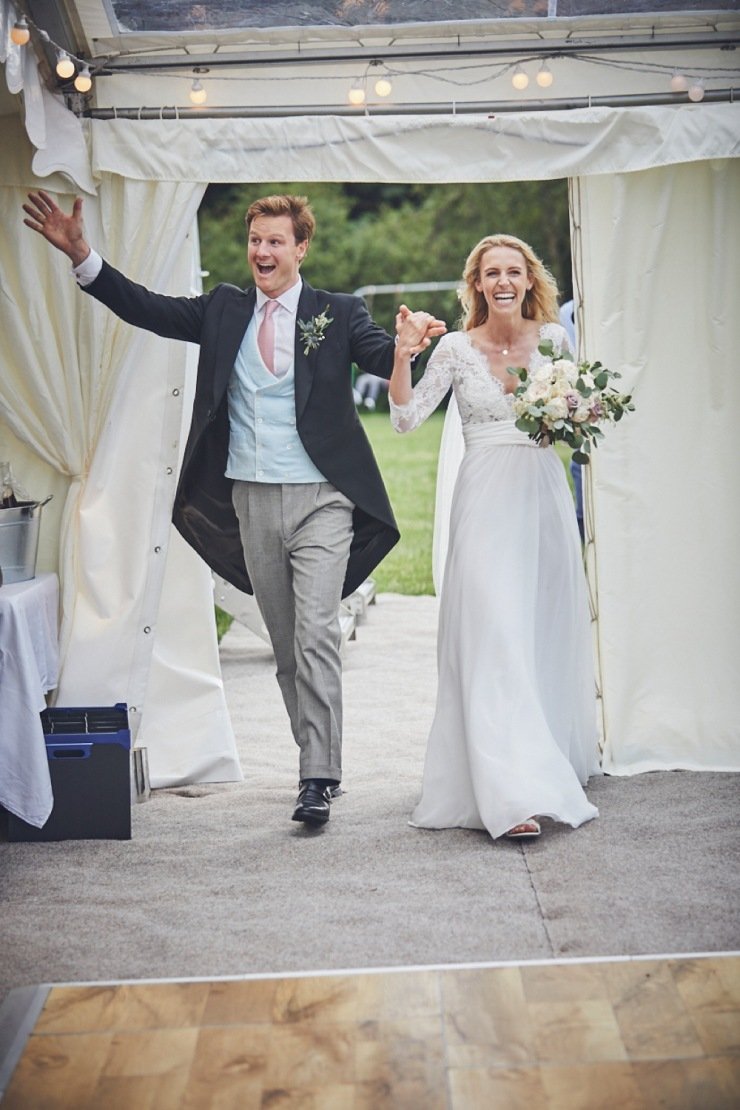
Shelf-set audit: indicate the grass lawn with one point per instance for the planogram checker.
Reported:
(408, 464)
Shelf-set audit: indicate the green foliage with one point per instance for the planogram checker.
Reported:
(389, 234)
(223, 623)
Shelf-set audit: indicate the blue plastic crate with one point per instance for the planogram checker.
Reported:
(89, 751)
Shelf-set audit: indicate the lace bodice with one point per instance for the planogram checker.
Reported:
(480, 395)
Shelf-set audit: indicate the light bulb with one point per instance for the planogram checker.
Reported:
(544, 76)
(696, 91)
(356, 94)
(83, 80)
(198, 94)
(383, 86)
(65, 65)
(20, 33)
(520, 79)
(679, 83)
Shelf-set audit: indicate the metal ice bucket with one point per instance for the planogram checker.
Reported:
(19, 540)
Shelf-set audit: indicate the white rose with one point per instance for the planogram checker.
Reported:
(581, 414)
(568, 369)
(561, 388)
(538, 391)
(543, 374)
(557, 408)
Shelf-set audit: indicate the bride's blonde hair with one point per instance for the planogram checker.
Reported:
(540, 302)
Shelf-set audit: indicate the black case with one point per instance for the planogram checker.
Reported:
(89, 752)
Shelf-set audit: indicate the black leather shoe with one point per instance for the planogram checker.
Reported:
(313, 804)
(335, 788)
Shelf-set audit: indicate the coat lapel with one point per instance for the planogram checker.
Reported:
(305, 365)
(236, 318)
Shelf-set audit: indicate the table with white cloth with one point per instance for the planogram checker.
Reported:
(29, 667)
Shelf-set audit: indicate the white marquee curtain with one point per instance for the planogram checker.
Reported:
(102, 404)
(660, 286)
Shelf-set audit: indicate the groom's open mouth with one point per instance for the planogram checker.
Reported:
(265, 268)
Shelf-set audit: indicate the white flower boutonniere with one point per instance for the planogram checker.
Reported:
(312, 331)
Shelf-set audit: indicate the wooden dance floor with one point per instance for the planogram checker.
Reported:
(654, 1032)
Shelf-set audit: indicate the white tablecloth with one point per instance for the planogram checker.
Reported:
(29, 665)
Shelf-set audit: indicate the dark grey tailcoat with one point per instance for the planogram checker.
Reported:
(326, 418)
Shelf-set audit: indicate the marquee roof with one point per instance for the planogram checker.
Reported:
(281, 57)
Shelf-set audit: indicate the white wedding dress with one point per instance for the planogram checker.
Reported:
(514, 732)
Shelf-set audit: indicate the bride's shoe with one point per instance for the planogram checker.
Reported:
(528, 830)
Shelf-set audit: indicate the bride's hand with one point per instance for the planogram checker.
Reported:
(415, 330)
(412, 331)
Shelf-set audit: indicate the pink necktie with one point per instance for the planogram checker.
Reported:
(266, 335)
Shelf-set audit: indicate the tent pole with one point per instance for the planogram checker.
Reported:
(482, 107)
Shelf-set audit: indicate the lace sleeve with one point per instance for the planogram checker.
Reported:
(428, 391)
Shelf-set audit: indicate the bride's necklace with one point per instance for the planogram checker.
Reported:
(504, 350)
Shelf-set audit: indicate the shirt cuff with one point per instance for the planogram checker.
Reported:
(88, 269)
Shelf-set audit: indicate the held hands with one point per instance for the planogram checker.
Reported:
(66, 233)
(415, 330)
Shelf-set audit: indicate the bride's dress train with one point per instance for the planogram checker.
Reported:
(514, 731)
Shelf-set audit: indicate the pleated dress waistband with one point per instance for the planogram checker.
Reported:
(495, 433)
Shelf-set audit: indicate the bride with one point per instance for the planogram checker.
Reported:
(514, 734)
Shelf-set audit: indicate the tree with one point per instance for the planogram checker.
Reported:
(371, 234)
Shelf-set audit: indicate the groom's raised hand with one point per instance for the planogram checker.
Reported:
(64, 232)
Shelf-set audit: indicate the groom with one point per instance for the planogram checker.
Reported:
(279, 491)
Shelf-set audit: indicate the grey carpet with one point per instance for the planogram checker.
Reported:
(218, 881)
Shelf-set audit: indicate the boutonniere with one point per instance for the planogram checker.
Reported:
(312, 331)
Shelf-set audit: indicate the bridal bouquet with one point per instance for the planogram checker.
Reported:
(565, 400)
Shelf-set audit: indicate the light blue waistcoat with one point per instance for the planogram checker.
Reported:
(264, 445)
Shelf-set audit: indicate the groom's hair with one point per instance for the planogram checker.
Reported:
(297, 208)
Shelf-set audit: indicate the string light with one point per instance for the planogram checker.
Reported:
(519, 79)
(65, 66)
(544, 76)
(66, 63)
(21, 33)
(83, 80)
(356, 94)
(383, 84)
(198, 94)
